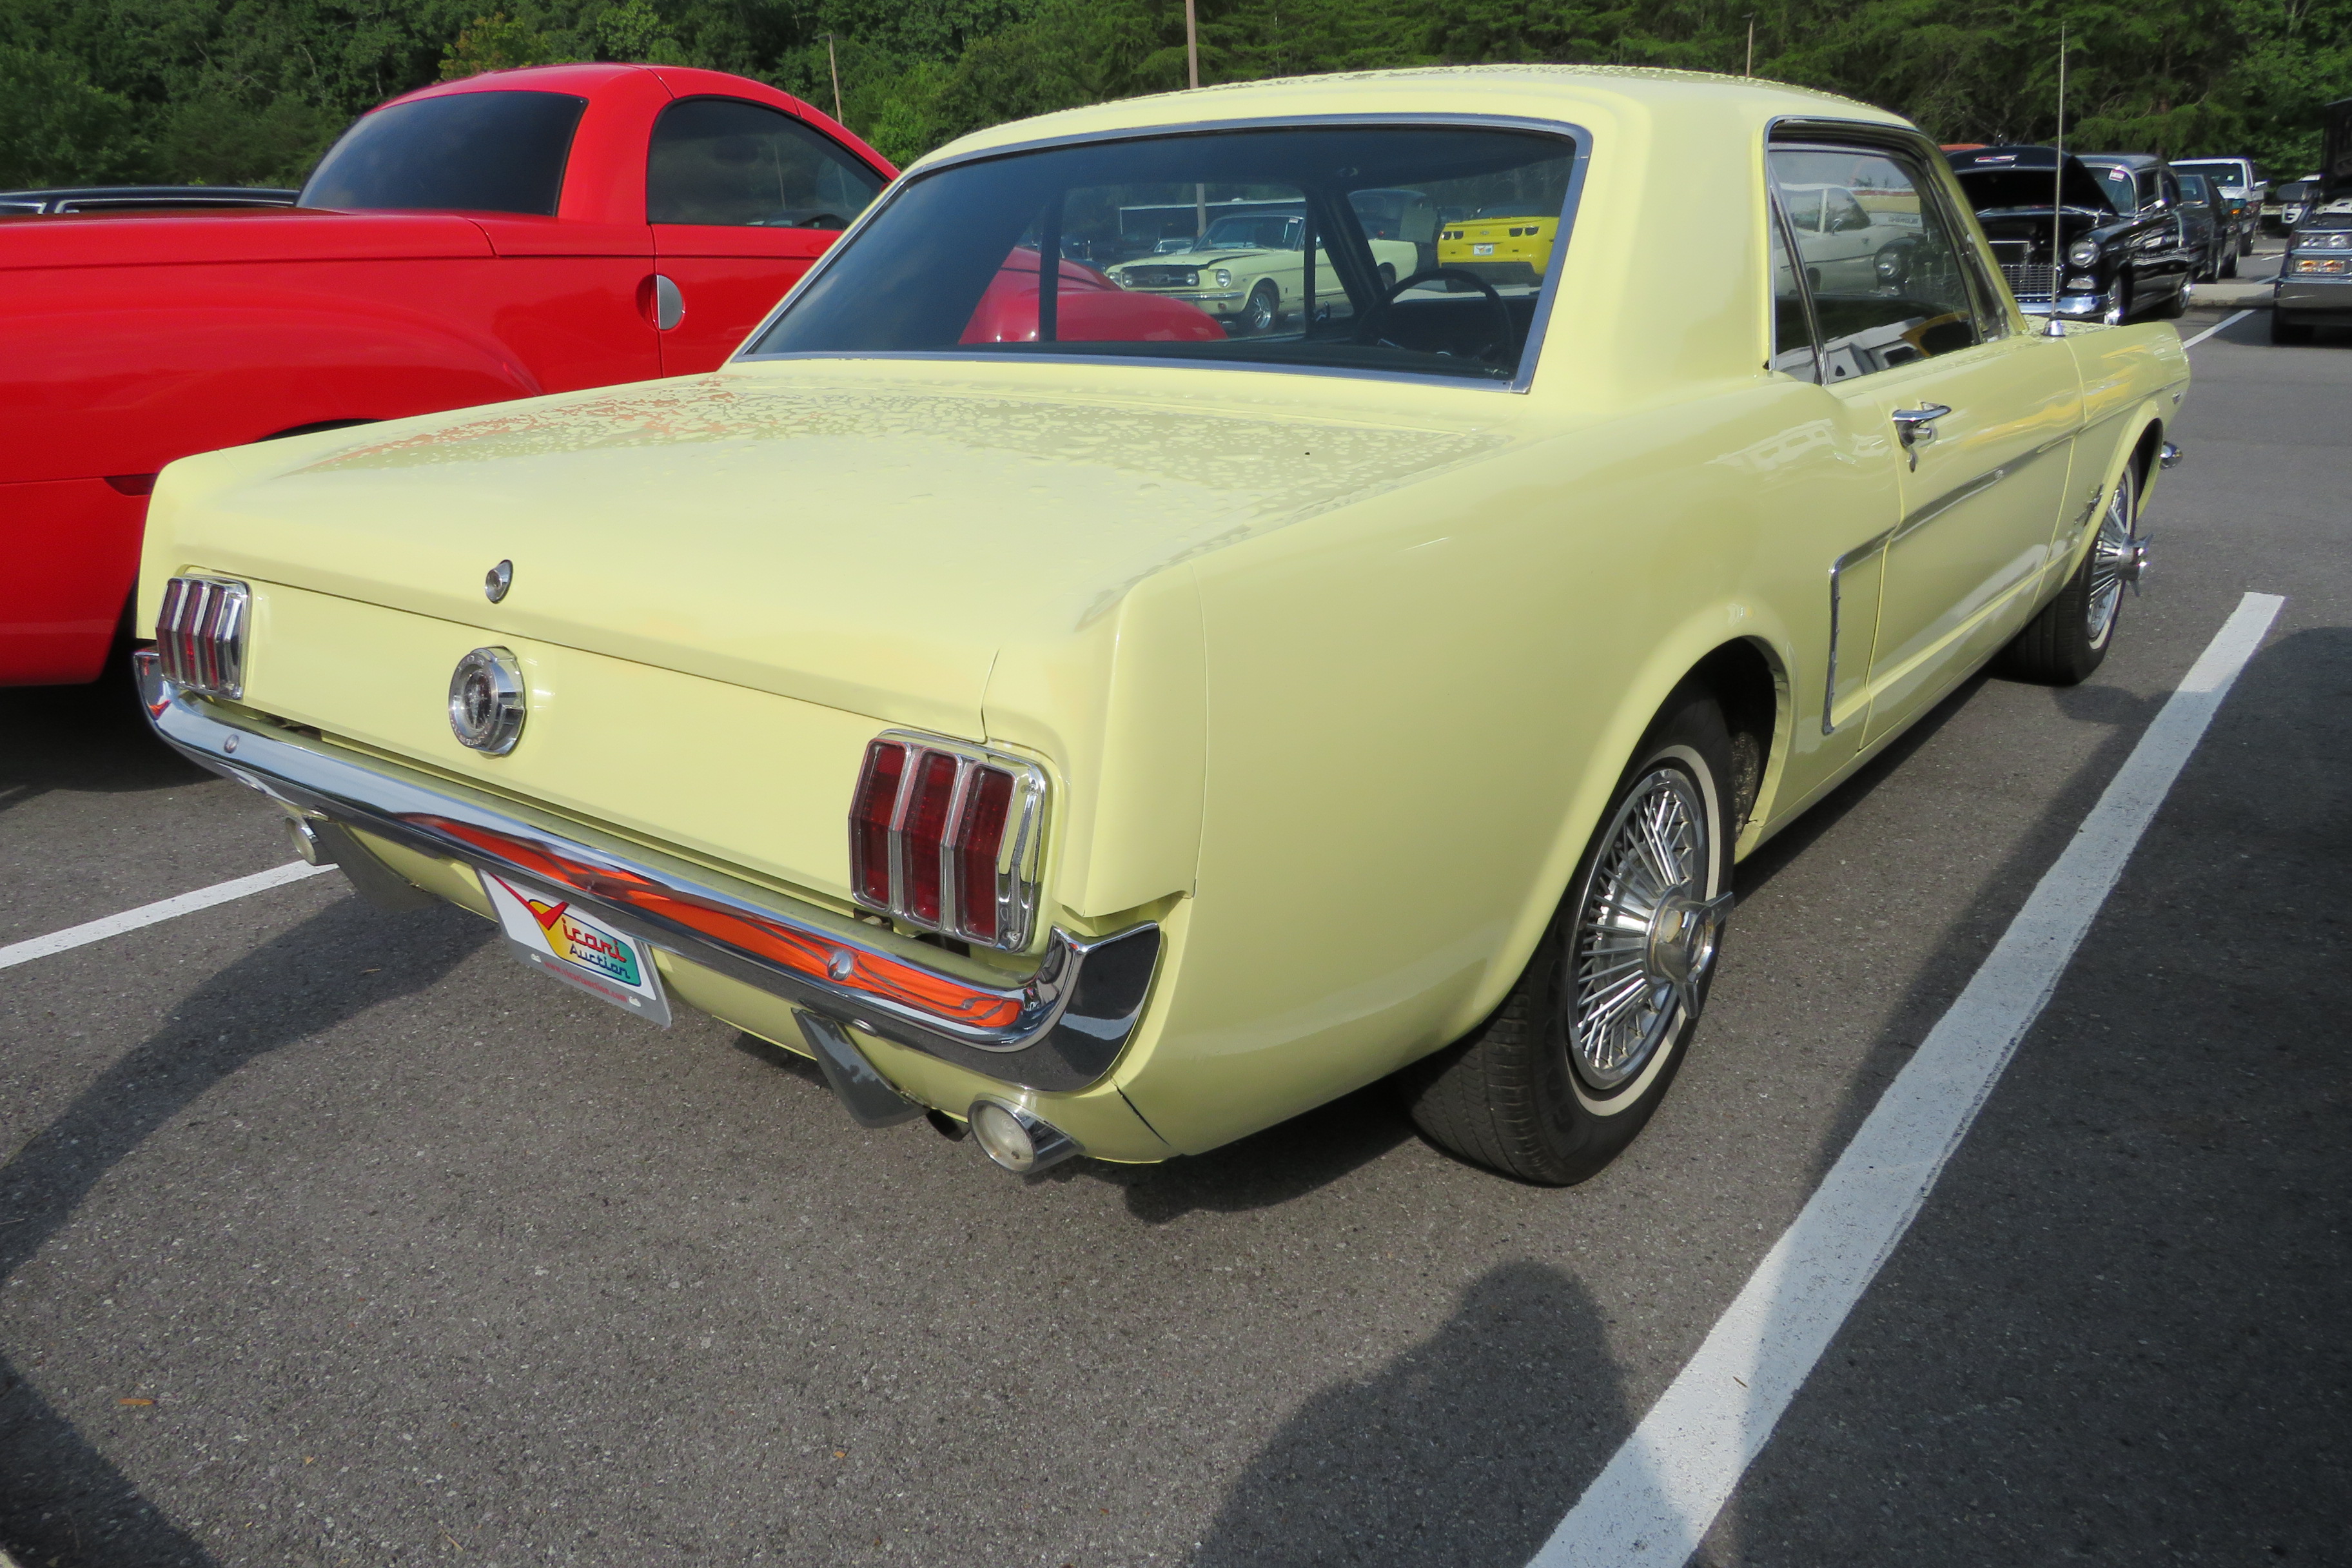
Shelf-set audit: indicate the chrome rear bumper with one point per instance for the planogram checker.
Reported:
(1057, 1030)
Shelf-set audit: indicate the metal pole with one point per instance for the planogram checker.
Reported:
(1193, 73)
(834, 61)
(1751, 43)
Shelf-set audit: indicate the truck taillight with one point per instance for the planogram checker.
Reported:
(945, 836)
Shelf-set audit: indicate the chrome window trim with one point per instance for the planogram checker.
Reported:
(1579, 140)
(1063, 1024)
(1789, 132)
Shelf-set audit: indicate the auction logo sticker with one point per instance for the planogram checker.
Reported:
(578, 949)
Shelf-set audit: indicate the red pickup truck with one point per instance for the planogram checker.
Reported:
(516, 233)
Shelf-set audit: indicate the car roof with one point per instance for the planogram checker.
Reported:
(1538, 92)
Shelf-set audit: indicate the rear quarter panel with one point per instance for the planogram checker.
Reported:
(1417, 709)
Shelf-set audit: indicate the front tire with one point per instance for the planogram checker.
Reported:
(2289, 335)
(1263, 312)
(2069, 638)
(1556, 1084)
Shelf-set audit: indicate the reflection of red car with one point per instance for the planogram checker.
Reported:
(515, 233)
(1089, 308)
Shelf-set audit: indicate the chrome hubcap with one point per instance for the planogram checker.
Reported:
(2119, 557)
(1647, 933)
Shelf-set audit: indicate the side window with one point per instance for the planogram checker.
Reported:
(1895, 290)
(723, 160)
(1793, 321)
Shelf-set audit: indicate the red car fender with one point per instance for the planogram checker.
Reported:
(123, 386)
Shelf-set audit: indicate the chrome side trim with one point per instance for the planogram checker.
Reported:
(1974, 488)
(871, 1099)
(1860, 552)
(1057, 1029)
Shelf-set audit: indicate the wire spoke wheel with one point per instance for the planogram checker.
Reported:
(1646, 931)
(2114, 560)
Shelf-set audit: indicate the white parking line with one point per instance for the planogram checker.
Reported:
(148, 914)
(1660, 1493)
(2225, 321)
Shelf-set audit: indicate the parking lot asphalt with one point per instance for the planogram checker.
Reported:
(331, 1236)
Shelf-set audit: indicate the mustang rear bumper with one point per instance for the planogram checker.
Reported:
(1058, 1030)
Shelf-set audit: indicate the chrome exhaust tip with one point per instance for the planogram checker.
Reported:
(1018, 1141)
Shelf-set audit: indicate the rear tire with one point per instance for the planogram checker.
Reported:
(2071, 636)
(2229, 263)
(1556, 1084)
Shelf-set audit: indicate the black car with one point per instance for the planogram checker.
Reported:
(2073, 243)
(2205, 212)
(140, 198)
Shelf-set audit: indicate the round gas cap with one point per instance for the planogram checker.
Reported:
(486, 701)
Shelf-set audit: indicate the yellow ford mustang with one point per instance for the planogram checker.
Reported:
(1120, 746)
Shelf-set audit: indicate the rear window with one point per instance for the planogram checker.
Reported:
(1308, 249)
(470, 151)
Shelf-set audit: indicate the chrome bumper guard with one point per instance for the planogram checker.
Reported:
(1057, 1030)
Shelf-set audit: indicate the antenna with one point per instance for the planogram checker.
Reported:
(2058, 189)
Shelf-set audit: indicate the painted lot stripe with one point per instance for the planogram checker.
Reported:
(149, 914)
(2225, 321)
(1660, 1493)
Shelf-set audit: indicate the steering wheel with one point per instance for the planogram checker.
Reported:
(1368, 325)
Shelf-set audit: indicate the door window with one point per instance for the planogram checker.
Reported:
(725, 162)
(1880, 258)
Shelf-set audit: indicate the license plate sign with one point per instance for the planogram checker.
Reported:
(1482, 250)
(551, 935)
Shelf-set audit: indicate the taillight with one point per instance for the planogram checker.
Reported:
(980, 835)
(925, 843)
(945, 836)
(870, 822)
(200, 635)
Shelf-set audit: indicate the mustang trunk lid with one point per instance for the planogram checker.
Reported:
(869, 545)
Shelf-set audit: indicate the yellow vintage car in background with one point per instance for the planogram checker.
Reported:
(1119, 747)
(1252, 269)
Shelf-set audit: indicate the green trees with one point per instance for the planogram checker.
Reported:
(224, 90)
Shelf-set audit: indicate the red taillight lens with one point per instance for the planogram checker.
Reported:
(980, 834)
(870, 821)
(926, 834)
(947, 840)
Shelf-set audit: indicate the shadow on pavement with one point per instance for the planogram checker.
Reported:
(87, 739)
(1463, 1453)
(60, 1499)
(1266, 1169)
(2116, 1333)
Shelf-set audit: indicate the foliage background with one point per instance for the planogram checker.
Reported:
(223, 92)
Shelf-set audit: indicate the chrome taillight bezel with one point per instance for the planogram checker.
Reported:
(200, 633)
(1020, 853)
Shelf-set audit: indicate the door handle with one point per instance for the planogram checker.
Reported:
(1917, 426)
(669, 305)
